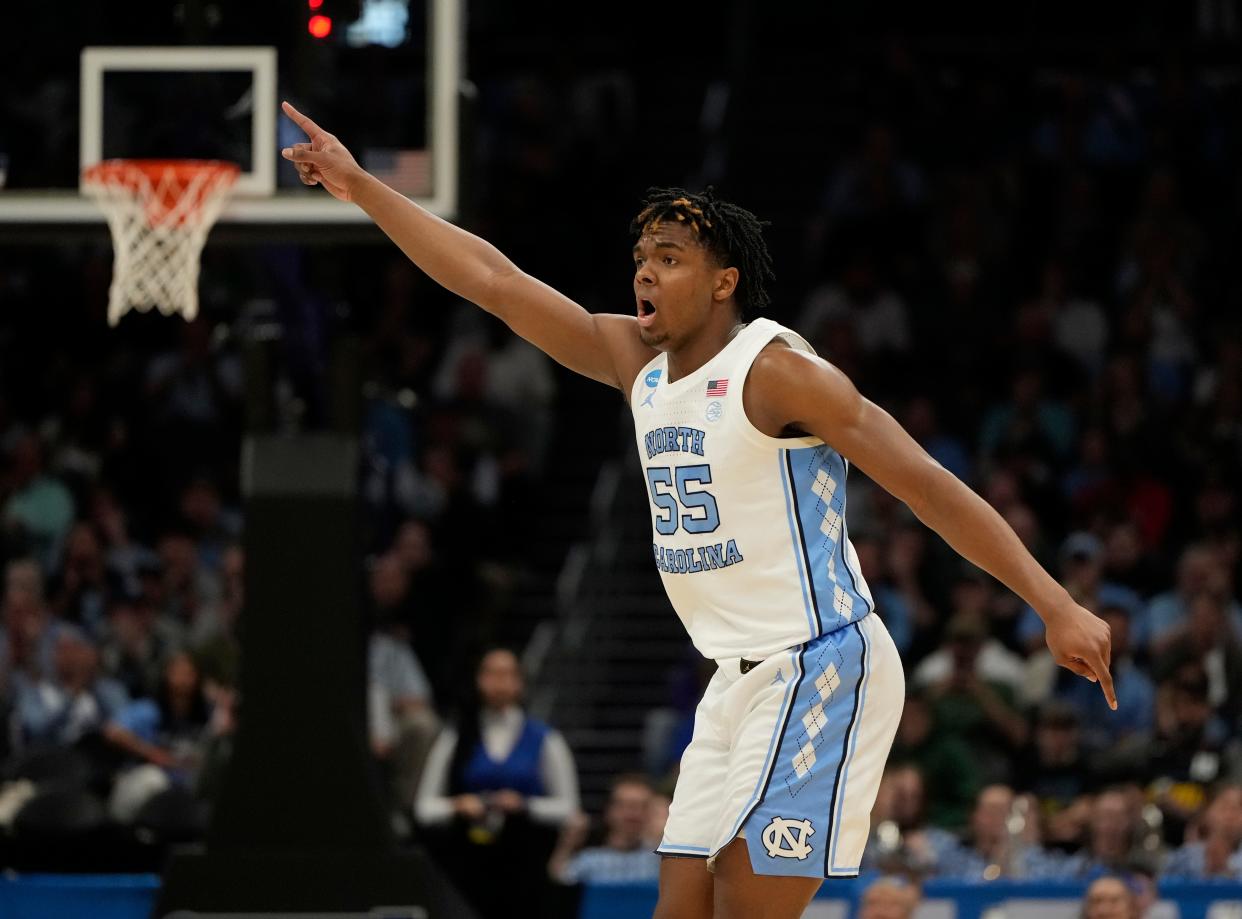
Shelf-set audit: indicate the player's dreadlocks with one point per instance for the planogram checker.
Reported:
(732, 234)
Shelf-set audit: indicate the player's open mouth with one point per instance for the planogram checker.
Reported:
(646, 312)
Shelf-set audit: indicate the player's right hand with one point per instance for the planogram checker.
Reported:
(324, 161)
(1081, 641)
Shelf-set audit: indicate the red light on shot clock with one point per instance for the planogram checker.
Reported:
(319, 26)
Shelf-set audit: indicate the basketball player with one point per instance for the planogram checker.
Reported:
(745, 437)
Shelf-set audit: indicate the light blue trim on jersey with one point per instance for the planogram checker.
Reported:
(806, 464)
(778, 730)
(671, 846)
(795, 544)
(855, 575)
(853, 746)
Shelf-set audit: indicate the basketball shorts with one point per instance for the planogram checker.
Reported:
(789, 755)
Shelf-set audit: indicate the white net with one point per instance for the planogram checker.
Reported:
(160, 213)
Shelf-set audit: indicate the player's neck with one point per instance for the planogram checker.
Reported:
(703, 347)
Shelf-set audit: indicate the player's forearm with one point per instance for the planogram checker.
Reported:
(457, 260)
(974, 529)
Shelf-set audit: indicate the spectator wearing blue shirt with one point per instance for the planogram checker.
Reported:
(997, 846)
(1199, 569)
(1113, 838)
(1213, 848)
(626, 855)
(402, 720)
(71, 702)
(1131, 724)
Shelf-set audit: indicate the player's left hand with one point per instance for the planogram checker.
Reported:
(1082, 642)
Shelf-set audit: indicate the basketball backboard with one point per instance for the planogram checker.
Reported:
(222, 102)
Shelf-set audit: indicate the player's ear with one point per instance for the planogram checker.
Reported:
(726, 284)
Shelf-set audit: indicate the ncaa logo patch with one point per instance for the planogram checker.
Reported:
(788, 838)
(653, 378)
(714, 411)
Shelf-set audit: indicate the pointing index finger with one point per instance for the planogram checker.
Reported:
(1106, 682)
(302, 121)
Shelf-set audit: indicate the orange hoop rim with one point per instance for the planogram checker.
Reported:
(126, 171)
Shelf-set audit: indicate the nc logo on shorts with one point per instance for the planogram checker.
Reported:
(788, 838)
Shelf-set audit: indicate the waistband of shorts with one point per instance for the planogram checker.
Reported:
(732, 666)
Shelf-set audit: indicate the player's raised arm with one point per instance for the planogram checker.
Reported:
(793, 388)
(604, 347)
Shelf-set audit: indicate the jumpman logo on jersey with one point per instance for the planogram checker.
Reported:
(650, 396)
(779, 678)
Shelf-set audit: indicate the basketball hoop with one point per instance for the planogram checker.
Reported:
(159, 212)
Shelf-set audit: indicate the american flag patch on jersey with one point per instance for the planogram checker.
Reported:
(717, 387)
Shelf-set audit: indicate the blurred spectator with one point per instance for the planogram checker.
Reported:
(1082, 575)
(1080, 326)
(967, 704)
(1188, 751)
(1029, 424)
(189, 386)
(999, 843)
(433, 589)
(862, 300)
(1128, 563)
(213, 527)
(166, 739)
(875, 187)
(922, 421)
(123, 555)
(892, 573)
(189, 593)
(71, 702)
(1206, 637)
(968, 646)
(1212, 848)
(28, 632)
(901, 841)
(888, 898)
(135, 645)
(1123, 732)
(1054, 769)
(942, 762)
(79, 593)
(1198, 571)
(402, 715)
(1113, 837)
(497, 786)
(217, 646)
(36, 509)
(625, 854)
(1109, 897)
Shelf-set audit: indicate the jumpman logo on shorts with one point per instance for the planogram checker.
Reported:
(779, 678)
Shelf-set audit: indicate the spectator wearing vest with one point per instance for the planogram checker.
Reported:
(494, 792)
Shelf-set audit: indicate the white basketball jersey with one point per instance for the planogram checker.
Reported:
(748, 531)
